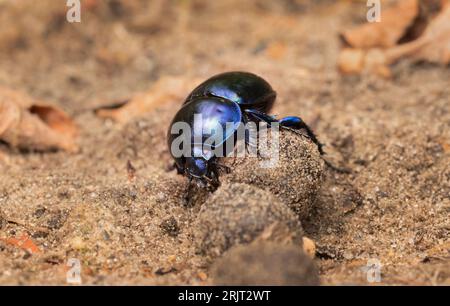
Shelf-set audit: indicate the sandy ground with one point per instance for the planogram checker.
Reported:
(393, 135)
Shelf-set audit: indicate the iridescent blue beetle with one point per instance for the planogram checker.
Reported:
(237, 97)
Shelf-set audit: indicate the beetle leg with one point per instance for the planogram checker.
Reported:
(173, 166)
(223, 167)
(260, 116)
(293, 124)
(179, 169)
(250, 140)
(297, 123)
(215, 178)
(212, 181)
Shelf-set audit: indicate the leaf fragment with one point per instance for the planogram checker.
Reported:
(165, 90)
(30, 124)
(395, 21)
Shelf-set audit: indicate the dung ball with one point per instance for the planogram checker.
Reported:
(238, 214)
(293, 173)
(265, 263)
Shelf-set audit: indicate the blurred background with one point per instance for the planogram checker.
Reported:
(122, 46)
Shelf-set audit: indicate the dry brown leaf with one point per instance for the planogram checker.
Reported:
(351, 60)
(432, 46)
(165, 90)
(436, 39)
(90, 5)
(29, 124)
(24, 242)
(354, 61)
(394, 23)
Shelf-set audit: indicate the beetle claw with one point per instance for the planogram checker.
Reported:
(213, 180)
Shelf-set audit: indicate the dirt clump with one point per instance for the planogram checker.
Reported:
(237, 214)
(295, 177)
(265, 264)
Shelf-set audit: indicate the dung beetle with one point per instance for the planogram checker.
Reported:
(236, 97)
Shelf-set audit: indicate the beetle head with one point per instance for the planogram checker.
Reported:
(196, 167)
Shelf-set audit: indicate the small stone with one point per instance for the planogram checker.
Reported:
(309, 247)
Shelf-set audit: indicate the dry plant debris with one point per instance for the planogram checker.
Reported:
(387, 33)
(165, 90)
(375, 52)
(23, 242)
(26, 123)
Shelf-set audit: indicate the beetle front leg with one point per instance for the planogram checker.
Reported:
(175, 166)
(250, 140)
(215, 179)
(297, 123)
(212, 180)
(180, 170)
(290, 123)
